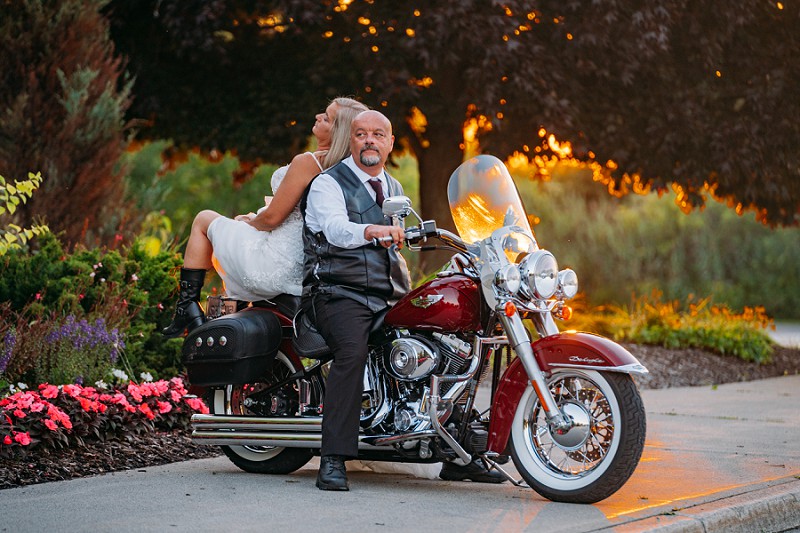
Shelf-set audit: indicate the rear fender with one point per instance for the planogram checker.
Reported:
(565, 350)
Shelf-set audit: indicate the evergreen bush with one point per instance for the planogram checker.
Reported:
(63, 100)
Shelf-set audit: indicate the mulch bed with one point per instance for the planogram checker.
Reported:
(668, 368)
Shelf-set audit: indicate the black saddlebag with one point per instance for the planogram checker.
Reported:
(233, 349)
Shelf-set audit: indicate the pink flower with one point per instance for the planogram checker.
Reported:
(197, 404)
(72, 390)
(176, 397)
(164, 407)
(48, 391)
(23, 438)
(135, 392)
(38, 407)
(38, 296)
(160, 306)
(52, 426)
(19, 414)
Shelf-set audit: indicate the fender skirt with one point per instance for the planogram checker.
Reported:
(565, 350)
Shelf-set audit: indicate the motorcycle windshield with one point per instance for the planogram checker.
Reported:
(483, 198)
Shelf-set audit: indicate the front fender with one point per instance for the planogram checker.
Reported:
(564, 350)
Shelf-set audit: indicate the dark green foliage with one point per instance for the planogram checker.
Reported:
(127, 289)
(62, 106)
(675, 91)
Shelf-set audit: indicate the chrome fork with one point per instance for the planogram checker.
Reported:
(518, 339)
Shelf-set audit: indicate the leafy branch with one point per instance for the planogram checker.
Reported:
(12, 235)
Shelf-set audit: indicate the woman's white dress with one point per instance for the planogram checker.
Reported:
(257, 265)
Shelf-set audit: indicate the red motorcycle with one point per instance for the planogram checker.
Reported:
(562, 406)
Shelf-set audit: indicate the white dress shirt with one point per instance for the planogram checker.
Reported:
(326, 210)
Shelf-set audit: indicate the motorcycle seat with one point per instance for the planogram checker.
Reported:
(309, 343)
(288, 304)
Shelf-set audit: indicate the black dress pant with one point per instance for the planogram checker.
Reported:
(344, 324)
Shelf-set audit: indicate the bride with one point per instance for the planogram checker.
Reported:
(259, 256)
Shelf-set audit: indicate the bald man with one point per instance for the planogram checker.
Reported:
(347, 279)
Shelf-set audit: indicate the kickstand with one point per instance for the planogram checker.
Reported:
(509, 477)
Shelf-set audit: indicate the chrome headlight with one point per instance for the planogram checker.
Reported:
(540, 270)
(568, 283)
(508, 279)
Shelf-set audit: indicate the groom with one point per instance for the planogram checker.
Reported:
(347, 280)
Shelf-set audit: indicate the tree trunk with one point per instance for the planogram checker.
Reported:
(436, 163)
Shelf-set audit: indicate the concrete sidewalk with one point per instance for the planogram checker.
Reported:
(721, 458)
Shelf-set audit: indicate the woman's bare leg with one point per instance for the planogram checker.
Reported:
(199, 249)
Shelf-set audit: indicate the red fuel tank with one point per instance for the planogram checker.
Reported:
(450, 303)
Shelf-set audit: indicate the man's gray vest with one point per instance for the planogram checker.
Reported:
(369, 274)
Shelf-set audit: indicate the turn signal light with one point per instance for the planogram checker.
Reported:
(510, 309)
(566, 312)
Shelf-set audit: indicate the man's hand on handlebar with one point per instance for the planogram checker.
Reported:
(385, 235)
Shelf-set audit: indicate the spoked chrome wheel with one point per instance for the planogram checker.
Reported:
(595, 457)
(252, 399)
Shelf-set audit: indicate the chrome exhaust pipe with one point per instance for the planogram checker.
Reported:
(245, 423)
(251, 438)
(306, 432)
(279, 440)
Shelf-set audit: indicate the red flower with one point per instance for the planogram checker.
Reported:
(19, 414)
(7, 440)
(164, 407)
(23, 438)
(50, 424)
(86, 405)
(145, 409)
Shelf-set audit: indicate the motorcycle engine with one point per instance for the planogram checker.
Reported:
(415, 357)
(412, 358)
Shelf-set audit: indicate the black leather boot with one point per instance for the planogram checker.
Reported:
(188, 313)
(475, 471)
(332, 473)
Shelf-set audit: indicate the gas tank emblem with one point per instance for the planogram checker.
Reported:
(426, 301)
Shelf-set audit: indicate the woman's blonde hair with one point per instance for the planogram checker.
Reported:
(346, 111)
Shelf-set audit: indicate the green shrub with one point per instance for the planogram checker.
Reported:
(649, 320)
(128, 289)
(634, 244)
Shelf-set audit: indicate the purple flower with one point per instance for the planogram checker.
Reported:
(9, 341)
(81, 335)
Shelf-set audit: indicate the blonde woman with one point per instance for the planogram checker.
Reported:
(260, 255)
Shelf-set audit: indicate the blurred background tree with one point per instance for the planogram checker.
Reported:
(675, 94)
(62, 104)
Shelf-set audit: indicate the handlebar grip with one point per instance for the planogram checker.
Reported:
(378, 240)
